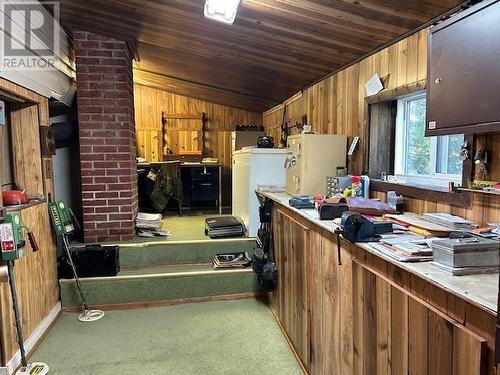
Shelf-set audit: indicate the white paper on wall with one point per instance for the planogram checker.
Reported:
(374, 85)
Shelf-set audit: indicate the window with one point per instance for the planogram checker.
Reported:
(418, 157)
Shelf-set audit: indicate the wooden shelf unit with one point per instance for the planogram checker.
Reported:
(170, 135)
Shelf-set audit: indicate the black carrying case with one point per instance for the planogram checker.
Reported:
(263, 259)
(330, 211)
(223, 226)
(93, 261)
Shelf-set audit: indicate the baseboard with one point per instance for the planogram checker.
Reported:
(31, 342)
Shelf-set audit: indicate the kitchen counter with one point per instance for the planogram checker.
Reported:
(479, 290)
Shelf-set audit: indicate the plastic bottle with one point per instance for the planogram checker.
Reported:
(357, 188)
(365, 182)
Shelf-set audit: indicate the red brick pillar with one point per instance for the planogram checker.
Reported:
(105, 102)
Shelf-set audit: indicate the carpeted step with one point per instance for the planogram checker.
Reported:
(180, 252)
(163, 283)
(167, 252)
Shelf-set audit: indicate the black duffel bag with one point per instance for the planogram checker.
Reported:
(263, 262)
(267, 273)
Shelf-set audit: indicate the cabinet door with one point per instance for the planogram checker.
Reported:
(396, 333)
(330, 307)
(289, 300)
(463, 73)
(204, 191)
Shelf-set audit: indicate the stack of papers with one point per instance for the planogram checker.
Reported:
(405, 252)
(148, 221)
(450, 221)
(270, 188)
(405, 248)
(231, 260)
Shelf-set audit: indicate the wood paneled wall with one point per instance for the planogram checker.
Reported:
(336, 105)
(36, 281)
(151, 102)
(36, 273)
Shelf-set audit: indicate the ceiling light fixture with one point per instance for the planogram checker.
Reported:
(221, 10)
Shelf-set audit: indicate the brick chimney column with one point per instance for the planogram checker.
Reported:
(105, 103)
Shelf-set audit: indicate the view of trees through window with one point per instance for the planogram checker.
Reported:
(418, 147)
(427, 156)
(449, 151)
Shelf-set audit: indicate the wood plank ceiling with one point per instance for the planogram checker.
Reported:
(274, 48)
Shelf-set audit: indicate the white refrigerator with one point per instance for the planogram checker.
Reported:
(253, 167)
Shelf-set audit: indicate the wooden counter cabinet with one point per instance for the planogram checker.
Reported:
(313, 300)
(330, 305)
(289, 300)
(367, 316)
(395, 332)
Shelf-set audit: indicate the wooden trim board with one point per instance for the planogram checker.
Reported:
(164, 303)
(396, 93)
(182, 116)
(147, 243)
(157, 275)
(461, 199)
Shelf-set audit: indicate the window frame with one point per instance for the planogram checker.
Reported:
(431, 193)
(400, 144)
(7, 152)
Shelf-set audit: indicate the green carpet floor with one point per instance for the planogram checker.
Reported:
(189, 226)
(224, 337)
